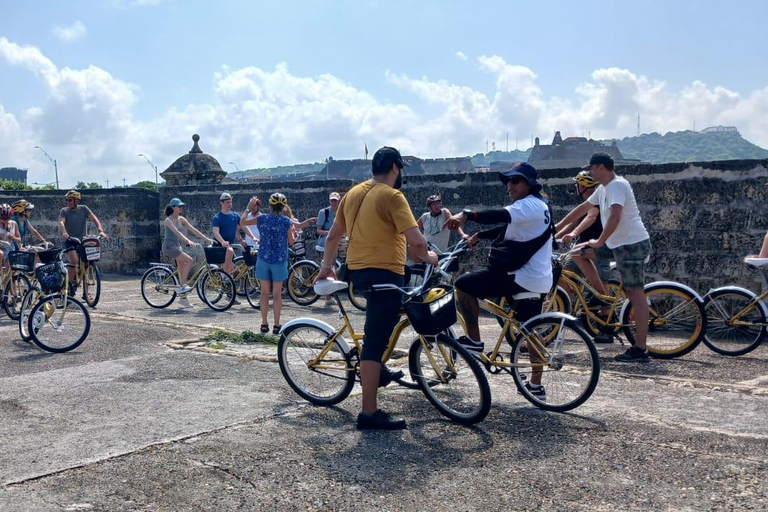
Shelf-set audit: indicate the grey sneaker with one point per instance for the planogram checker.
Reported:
(184, 302)
(633, 355)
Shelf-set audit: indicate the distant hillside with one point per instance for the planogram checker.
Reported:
(282, 170)
(689, 146)
(484, 160)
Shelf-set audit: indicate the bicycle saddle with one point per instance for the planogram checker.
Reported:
(756, 262)
(329, 286)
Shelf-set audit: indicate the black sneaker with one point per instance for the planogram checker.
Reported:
(474, 347)
(604, 336)
(597, 302)
(536, 390)
(633, 355)
(379, 421)
(387, 376)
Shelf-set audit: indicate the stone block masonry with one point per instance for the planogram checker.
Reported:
(703, 217)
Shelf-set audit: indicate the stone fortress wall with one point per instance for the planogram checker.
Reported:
(703, 217)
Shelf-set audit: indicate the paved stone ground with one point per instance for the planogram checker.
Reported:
(128, 422)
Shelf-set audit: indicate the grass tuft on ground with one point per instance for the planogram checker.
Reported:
(219, 336)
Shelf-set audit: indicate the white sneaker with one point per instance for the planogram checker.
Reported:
(183, 289)
(184, 302)
(329, 303)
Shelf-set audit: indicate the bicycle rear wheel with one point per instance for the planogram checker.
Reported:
(91, 285)
(253, 289)
(218, 290)
(241, 269)
(301, 284)
(58, 323)
(157, 287)
(676, 321)
(26, 306)
(727, 336)
(451, 379)
(559, 352)
(358, 300)
(13, 295)
(318, 372)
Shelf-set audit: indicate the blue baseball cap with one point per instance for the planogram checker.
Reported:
(523, 169)
(176, 202)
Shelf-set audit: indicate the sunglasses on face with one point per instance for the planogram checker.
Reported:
(516, 180)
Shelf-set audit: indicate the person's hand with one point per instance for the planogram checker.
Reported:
(431, 258)
(567, 239)
(65, 236)
(595, 244)
(326, 273)
(312, 220)
(225, 244)
(103, 235)
(473, 240)
(455, 221)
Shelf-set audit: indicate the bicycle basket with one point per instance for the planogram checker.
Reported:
(432, 311)
(22, 260)
(48, 256)
(299, 248)
(50, 277)
(249, 256)
(215, 255)
(90, 250)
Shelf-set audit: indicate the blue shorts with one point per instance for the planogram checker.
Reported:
(271, 271)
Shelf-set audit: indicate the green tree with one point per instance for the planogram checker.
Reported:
(83, 185)
(14, 185)
(146, 184)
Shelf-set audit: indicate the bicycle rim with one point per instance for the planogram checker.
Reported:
(563, 359)
(324, 381)
(300, 283)
(397, 356)
(14, 294)
(26, 307)
(357, 299)
(218, 290)
(91, 285)
(253, 289)
(727, 335)
(157, 286)
(58, 323)
(450, 378)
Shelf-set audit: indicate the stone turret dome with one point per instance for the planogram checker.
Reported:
(194, 168)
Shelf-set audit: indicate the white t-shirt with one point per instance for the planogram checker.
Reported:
(433, 229)
(630, 229)
(254, 230)
(530, 217)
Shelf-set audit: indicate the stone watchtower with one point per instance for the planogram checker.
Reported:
(194, 168)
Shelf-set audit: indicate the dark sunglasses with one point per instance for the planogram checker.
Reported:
(515, 180)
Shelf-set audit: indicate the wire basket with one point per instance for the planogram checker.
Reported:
(50, 277)
(249, 256)
(433, 311)
(48, 256)
(20, 260)
(215, 255)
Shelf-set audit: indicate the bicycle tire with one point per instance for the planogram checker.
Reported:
(590, 325)
(91, 285)
(54, 318)
(404, 331)
(559, 302)
(676, 321)
(253, 289)
(239, 262)
(218, 290)
(720, 306)
(12, 299)
(26, 306)
(436, 364)
(299, 344)
(151, 282)
(572, 370)
(301, 278)
(358, 300)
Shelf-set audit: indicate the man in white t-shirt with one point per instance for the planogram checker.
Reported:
(251, 232)
(520, 259)
(432, 221)
(625, 235)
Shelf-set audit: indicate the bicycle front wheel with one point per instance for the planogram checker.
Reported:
(318, 371)
(301, 282)
(726, 334)
(253, 289)
(58, 323)
(556, 353)
(241, 269)
(451, 379)
(676, 321)
(26, 307)
(218, 290)
(91, 285)
(158, 286)
(358, 300)
(14, 293)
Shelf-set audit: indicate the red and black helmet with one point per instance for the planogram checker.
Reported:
(434, 199)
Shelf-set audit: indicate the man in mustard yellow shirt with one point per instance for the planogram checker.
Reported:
(379, 223)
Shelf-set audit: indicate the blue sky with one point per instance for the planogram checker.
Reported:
(275, 83)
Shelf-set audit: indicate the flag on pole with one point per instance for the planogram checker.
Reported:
(366, 151)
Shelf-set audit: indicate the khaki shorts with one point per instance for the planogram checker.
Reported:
(630, 260)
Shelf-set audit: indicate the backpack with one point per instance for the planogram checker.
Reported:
(327, 212)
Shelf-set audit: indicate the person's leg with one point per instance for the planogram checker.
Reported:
(184, 262)
(264, 276)
(277, 302)
(636, 296)
(473, 286)
(586, 264)
(229, 267)
(630, 260)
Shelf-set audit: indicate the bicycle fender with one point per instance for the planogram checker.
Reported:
(320, 325)
(675, 284)
(551, 314)
(304, 262)
(742, 290)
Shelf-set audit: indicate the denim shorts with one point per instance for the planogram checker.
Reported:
(630, 260)
(271, 271)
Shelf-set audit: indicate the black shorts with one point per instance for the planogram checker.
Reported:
(382, 311)
(490, 284)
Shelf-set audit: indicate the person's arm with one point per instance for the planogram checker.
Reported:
(33, 230)
(447, 215)
(306, 223)
(193, 229)
(610, 226)
(585, 223)
(338, 230)
(418, 248)
(291, 234)
(481, 217)
(62, 227)
(218, 237)
(574, 215)
(92, 216)
(170, 225)
(420, 222)
(764, 248)
(13, 232)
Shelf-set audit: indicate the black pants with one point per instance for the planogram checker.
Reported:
(382, 310)
(488, 283)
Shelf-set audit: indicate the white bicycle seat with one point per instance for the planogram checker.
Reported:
(329, 286)
(526, 295)
(756, 262)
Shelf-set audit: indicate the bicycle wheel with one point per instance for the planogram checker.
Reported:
(58, 323)
(451, 379)
(26, 306)
(157, 287)
(557, 301)
(241, 269)
(563, 356)
(253, 289)
(91, 285)
(318, 372)
(301, 279)
(726, 335)
(358, 300)
(676, 321)
(404, 333)
(13, 295)
(592, 326)
(218, 290)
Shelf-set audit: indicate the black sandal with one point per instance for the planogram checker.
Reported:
(264, 328)
(276, 329)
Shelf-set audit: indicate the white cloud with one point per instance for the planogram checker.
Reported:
(71, 33)
(259, 117)
(461, 56)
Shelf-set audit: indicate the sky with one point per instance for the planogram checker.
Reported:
(266, 83)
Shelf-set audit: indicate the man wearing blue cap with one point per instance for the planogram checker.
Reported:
(520, 257)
